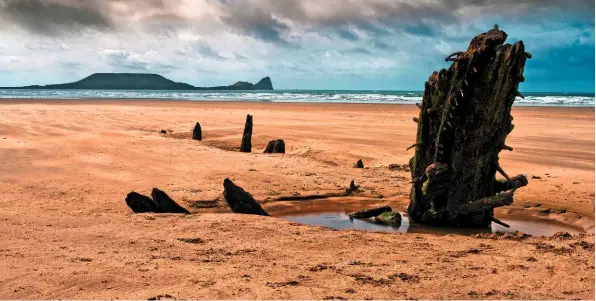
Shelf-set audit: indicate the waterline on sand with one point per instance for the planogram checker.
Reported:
(297, 96)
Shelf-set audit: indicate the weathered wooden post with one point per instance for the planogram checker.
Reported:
(464, 119)
(161, 203)
(246, 145)
(240, 201)
(197, 133)
(359, 164)
(165, 204)
(276, 146)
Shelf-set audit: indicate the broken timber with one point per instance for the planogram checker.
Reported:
(161, 203)
(197, 133)
(241, 201)
(277, 146)
(246, 144)
(464, 119)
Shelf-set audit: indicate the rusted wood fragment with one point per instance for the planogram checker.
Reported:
(514, 183)
(413, 145)
(487, 203)
(454, 56)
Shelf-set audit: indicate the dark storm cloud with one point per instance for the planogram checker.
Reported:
(341, 16)
(254, 21)
(55, 17)
(272, 20)
(381, 17)
(51, 17)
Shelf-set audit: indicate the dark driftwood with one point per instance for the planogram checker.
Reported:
(161, 203)
(246, 145)
(277, 146)
(368, 213)
(140, 203)
(348, 192)
(241, 201)
(464, 119)
(359, 164)
(165, 204)
(352, 188)
(197, 133)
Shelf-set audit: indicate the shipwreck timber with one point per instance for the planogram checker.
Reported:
(464, 120)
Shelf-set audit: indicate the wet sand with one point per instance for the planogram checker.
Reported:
(67, 233)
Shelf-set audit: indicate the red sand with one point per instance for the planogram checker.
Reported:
(67, 233)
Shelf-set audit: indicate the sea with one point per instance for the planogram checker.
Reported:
(298, 96)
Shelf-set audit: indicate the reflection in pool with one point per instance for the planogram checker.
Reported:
(341, 221)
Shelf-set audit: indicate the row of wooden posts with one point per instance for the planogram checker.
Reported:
(274, 146)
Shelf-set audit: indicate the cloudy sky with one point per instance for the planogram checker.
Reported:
(301, 44)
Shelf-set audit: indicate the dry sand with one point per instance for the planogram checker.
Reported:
(67, 233)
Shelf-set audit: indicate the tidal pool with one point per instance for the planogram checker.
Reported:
(532, 225)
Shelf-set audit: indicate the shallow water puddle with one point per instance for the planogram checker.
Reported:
(338, 220)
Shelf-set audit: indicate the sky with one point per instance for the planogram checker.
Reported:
(300, 44)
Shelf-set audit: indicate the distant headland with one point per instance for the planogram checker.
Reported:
(143, 81)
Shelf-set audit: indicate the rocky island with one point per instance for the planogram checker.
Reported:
(143, 81)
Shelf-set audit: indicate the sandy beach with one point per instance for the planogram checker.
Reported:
(66, 231)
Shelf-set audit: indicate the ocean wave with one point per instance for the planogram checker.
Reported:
(388, 97)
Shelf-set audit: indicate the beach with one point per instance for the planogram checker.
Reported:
(66, 231)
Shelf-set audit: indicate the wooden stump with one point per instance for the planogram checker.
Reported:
(197, 133)
(161, 203)
(165, 204)
(359, 164)
(139, 203)
(277, 146)
(352, 188)
(241, 201)
(246, 145)
(464, 119)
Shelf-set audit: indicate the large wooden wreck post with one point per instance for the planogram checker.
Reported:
(464, 119)
(246, 144)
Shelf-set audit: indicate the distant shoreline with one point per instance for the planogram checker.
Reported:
(230, 102)
(276, 91)
(539, 99)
